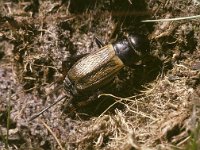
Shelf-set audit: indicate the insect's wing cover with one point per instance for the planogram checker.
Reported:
(95, 69)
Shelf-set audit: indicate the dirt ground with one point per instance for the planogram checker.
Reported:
(155, 106)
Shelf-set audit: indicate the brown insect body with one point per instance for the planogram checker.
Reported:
(94, 70)
(98, 68)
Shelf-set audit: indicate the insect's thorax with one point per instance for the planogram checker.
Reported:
(95, 69)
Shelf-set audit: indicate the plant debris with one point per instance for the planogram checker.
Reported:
(151, 107)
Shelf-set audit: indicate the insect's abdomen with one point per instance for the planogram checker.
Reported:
(95, 69)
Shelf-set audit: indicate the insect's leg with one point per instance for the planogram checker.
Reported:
(99, 42)
(89, 100)
(69, 108)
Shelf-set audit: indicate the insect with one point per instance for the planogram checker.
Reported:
(97, 69)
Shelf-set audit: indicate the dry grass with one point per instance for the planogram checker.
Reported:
(35, 40)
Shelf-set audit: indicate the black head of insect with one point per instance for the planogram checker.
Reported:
(132, 49)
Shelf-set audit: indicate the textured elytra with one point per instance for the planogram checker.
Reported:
(95, 69)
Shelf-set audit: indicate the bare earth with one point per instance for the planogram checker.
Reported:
(150, 107)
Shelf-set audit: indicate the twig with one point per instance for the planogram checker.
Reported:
(139, 113)
(173, 19)
(8, 118)
(108, 109)
(49, 129)
(119, 100)
(182, 142)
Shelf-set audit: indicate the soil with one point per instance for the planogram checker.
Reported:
(154, 106)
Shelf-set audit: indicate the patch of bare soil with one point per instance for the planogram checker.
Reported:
(147, 107)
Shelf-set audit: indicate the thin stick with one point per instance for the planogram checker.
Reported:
(8, 118)
(173, 19)
(49, 129)
(45, 109)
(185, 140)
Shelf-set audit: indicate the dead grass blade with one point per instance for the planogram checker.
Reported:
(49, 129)
(173, 19)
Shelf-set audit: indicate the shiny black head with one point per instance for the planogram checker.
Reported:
(132, 49)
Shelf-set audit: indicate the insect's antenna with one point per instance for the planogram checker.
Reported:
(45, 109)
